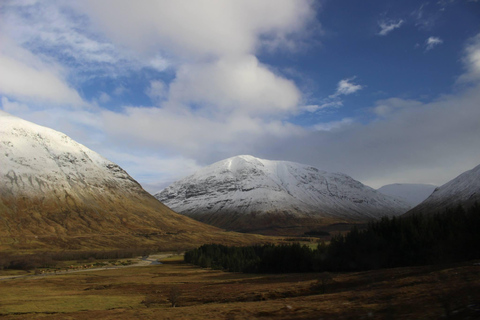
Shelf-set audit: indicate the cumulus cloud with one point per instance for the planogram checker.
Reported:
(200, 28)
(388, 26)
(219, 84)
(240, 85)
(26, 77)
(432, 42)
(471, 60)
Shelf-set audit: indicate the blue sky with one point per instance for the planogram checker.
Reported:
(385, 91)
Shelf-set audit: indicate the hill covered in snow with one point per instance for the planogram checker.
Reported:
(246, 193)
(464, 190)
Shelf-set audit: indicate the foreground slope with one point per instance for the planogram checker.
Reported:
(464, 190)
(56, 193)
(411, 193)
(245, 193)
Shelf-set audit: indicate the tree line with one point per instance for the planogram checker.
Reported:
(390, 242)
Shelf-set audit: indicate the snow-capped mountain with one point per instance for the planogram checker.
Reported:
(56, 191)
(411, 193)
(242, 192)
(463, 190)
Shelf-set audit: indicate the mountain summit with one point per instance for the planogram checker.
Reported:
(245, 193)
(56, 193)
(463, 190)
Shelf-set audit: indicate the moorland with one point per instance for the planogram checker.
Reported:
(450, 291)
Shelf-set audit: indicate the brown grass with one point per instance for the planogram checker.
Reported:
(143, 293)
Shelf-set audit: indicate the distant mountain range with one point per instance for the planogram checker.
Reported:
(245, 193)
(411, 193)
(56, 193)
(463, 190)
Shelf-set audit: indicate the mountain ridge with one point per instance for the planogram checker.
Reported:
(245, 186)
(463, 190)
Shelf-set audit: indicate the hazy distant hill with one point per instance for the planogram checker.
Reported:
(246, 193)
(411, 193)
(463, 190)
(56, 192)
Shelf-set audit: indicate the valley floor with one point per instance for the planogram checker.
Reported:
(430, 292)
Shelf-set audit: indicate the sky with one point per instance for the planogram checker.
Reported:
(384, 91)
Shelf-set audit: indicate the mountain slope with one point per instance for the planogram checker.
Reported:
(56, 193)
(411, 193)
(463, 190)
(246, 193)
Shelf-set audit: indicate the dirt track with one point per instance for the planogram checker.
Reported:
(141, 262)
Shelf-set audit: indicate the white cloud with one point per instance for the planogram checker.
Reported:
(325, 105)
(221, 94)
(241, 85)
(200, 28)
(157, 90)
(104, 97)
(310, 108)
(120, 90)
(329, 126)
(389, 106)
(191, 134)
(346, 87)
(159, 63)
(387, 26)
(26, 77)
(57, 30)
(14, 107)
(471, 60)
(432, 42)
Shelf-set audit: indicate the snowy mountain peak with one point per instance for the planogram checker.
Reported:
(36, 159)
(245, 185)
(463, 190)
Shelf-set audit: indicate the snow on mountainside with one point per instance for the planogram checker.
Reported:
(463, 190)
(411, 193)
(55, 191)
(245, 185)
(36, 159)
